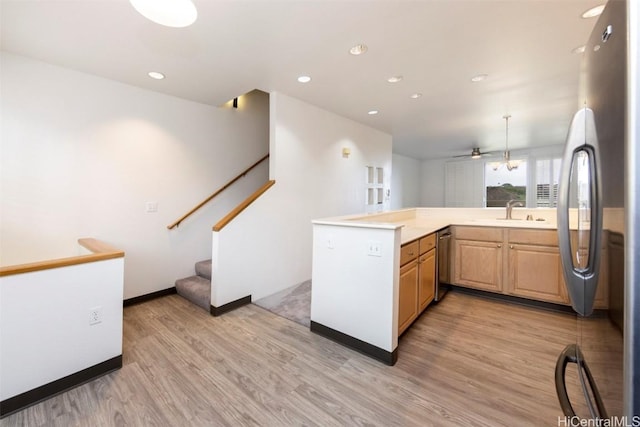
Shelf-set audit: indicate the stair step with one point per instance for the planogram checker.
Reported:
(196, 289)
(203, 269)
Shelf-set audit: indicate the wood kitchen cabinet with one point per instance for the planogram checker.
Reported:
(408, 286)
(518, 261)
(478, 258)
(417, 279)
(408, 295)
(534, 266)
(427, 271)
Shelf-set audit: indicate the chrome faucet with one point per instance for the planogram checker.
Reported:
(512, 204)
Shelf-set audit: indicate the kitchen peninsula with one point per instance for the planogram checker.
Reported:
(356, 268)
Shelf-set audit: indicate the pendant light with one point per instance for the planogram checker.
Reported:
(506, 156)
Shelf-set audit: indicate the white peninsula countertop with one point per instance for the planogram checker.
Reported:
(417, 222)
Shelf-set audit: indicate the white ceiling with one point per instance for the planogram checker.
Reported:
(438, 45)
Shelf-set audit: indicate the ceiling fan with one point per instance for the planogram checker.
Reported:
(475, 153)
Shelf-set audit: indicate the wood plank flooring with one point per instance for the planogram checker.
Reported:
(467, 361)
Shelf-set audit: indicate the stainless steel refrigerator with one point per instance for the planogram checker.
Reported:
(597, 374)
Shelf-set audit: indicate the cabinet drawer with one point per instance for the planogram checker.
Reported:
(427, 243)
(491, 234)
(409, 252)
(534, 237)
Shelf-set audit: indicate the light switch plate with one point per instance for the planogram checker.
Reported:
(151, 207)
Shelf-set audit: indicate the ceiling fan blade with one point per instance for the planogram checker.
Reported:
(475, 153)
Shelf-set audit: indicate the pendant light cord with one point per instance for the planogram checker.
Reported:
(506, 118)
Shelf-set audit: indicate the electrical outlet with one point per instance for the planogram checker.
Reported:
(373, 248)
(95, 315)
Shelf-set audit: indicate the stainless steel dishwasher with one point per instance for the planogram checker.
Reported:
(443, 275)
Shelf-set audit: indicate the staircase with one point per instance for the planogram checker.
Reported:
(197, 289)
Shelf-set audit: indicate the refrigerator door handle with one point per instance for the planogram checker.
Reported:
(568, 355)
(572, 354)
(581, 282)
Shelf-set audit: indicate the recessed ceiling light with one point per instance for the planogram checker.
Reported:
(156, 75)
(304, 79)
(372, 112)
(415, 96)
(479, 77)
(171, 13)
(593, 12)
(579, 50)
(395, 79)
(358, 49)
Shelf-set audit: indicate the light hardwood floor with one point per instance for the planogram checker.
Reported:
(467, 361)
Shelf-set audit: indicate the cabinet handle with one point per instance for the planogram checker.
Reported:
(510, 246)
(499, 245)
(410, 253)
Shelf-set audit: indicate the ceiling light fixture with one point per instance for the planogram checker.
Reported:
(415, 96)
(479, 77)
(593, 12)
(155, 75)
(358, 49)
(475, 153)
(395, 79)
(506, 157)
(372, 112)
(304, 79)
(170, 13)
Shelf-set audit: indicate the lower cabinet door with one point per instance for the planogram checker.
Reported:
(427, 279)
(408, 295)
(536, 272)
(478, 264)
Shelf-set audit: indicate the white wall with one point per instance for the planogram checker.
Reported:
(432, 180)
(406, 182)
(81, 156)
(45, 332)
(268, 247)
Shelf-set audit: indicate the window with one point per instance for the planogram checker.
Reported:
(375, 186)
(502, 185)
(473, 183)
(547, 178)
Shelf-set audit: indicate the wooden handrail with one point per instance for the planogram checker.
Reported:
(224, 187)
(100, 252)
(242, 206)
